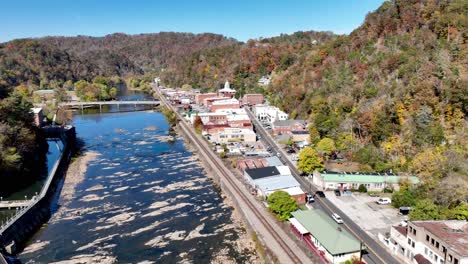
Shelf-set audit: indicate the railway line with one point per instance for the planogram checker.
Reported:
(242, 194)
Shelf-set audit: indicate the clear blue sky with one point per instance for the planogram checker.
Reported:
(241, 19)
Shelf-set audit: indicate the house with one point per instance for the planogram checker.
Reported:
(226, 91)
(324, 236)
(441, 241)
(225, 104)
(280, 127)
(38, 116)
(352, 180)
(253, 174)
(230, 134)
(252, 99)
(269, 114)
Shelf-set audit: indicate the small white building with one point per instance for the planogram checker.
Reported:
(264, 81)
(230, 135)
(269, 114)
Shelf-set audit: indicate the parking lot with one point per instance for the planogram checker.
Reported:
(365, 212)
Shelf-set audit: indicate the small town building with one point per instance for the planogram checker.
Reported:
(38, 116)
(229, 135)
(268, 185)
(286, 126)
(200, 98)
(300, 136)
(209, 101)
(352, 180)
(436, 242)
(253, 174)
(254, 163)
(269, 114)
(252, 99)
(324, 236)
(225, 104)
(226, 91)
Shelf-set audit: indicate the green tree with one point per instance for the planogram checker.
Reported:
(425, 210)
(282, 204)
(309, 160)
(403, 197)
(326, 146)
(113, 92)
(362, 188)
(314, 135)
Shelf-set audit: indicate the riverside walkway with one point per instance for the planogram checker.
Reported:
(14, 203)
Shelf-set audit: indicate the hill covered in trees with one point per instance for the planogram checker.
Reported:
(392, 95)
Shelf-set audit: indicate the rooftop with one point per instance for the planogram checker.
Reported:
(274, 161)
(366, 178)
(289, 122)
(264, 172)
(294, 190)
(453, 232)
(227, 101)
(36, 110)
(273, 183)
(332, 237)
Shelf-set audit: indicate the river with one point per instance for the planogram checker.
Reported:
(144, 198)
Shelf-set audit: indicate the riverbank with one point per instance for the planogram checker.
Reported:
(244, 243)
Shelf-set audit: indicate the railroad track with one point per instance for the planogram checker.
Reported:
(235, 185)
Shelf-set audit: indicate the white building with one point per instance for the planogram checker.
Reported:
(230, 134)
(264, 81)
(269, 114)
(436, 242)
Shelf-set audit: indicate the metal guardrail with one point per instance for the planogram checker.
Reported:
(21, 211)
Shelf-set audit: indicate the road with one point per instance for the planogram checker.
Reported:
(375, 252)
(285, 248)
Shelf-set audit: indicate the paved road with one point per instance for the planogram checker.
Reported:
(285, 248)
(376, 253)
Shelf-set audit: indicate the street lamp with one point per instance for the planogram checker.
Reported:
(26, 197)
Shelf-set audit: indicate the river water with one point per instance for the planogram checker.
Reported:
(144, 198)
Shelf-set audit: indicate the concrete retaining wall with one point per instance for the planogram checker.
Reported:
(14, 235)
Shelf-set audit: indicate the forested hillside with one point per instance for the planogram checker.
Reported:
(47, 63)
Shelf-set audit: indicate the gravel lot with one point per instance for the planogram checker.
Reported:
(365, 212)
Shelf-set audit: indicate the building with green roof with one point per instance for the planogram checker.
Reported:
(352, 180)
(323, 235)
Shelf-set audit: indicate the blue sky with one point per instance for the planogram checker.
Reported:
(241, 19)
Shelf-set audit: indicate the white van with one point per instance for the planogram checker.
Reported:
(337, 218)
(384, 201)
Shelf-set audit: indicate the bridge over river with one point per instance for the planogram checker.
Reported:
(101, 103)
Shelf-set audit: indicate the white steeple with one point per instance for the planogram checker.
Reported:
(226, 85)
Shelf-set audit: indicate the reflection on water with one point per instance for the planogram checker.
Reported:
(145, 197)
(54, 150)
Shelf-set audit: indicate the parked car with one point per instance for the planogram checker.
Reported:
(337, 192)
(403, 223)
(384, 201)
(337, 218)
(320, 193)
(310, 198)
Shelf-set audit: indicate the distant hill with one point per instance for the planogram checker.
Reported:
(54, 60)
